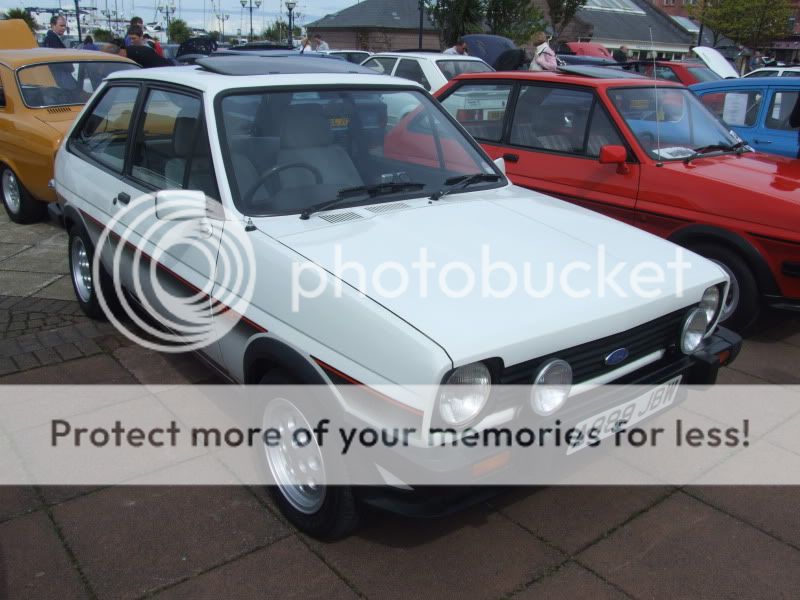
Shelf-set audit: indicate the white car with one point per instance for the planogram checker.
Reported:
(292, 157)
(775, 72)
(429, 69)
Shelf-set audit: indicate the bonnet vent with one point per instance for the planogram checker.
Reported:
(341, 217)
(59, 109)
(384, 208)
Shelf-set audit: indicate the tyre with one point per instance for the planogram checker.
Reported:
(81, 257)
(319, 510)
(742, 305)
(19, 204)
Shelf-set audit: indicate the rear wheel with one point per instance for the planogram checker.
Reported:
(19, 204)
(742, 304)
(81, 257)
(320, 510)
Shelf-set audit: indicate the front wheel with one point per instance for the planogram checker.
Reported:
(742, 305)
(19, 204)
(320, 510)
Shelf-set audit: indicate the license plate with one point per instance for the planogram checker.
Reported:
(608, 422)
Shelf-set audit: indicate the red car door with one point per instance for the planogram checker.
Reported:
(553, 145)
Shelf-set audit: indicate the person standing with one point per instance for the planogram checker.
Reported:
(320, 44)
(757, 61)
(135, 21)
(58, 25)
(140, 51)
(544, 59)
(621, 54)
(88, 44)
(460, 47)
(154, 44)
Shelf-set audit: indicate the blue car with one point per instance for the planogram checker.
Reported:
(759, 109)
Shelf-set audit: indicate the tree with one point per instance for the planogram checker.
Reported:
(514, 19)
(277, 31)
(178, 31)
(102, 35)
(754, 23)
(21, 13)
(214, 35)
(561, 14)
(454, 18)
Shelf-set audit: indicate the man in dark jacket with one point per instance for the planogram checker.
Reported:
(58, 25)
(141, 52)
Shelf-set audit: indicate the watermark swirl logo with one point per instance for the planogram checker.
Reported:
(190, 271)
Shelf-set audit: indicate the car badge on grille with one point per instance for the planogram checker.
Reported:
(617, 356)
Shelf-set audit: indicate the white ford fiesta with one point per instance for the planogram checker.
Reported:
(269, 215)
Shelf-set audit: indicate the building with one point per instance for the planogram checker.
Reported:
(637, 24)
(674, 8)
(377, 25)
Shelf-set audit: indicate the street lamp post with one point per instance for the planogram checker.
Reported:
(244, 4)
(290, 4)
(222, 18)
(168, 8)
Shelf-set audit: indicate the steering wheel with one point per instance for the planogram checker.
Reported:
(267, 175)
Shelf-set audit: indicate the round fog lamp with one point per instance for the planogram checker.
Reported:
(464, 394)
(694, 329)
(710, 303)
(551, 387)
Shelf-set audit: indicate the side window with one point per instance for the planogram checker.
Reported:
(480, 109)
(2, 94)
(601, 132)
(791, 74)
(780, 109)
(735, 108)
(666, 74)
(410, 69)
(381, 64)
(104, 133)
(171, 149)
(551, 118)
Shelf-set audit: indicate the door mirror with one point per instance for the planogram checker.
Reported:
(500, 164)
(181, 205)
(614, 155)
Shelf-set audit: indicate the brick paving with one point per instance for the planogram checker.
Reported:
(220, 542)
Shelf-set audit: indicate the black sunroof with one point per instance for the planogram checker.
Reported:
(599, 72)
(278, 65)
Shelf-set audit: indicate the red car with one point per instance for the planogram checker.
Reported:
(652, 155)
(686, 72)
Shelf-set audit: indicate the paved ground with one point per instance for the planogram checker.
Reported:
(133, 542)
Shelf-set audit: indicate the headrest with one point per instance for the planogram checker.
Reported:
(305, 126)
(183, 136)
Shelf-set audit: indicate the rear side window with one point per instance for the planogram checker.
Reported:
(735, 108)
(452, 68)
(480, 109)
(551, 118)
(703, 74)
(780, 109)
(791, 74)
(103, 135)
(381, 64)
(410, 69)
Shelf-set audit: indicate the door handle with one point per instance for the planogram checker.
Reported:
(762, 142)
(122, 198)
(511, 157)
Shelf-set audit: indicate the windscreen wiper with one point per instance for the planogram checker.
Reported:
(378, 189)
(461, 181)
(738, 147)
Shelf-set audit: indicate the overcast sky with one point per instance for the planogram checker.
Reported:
(192, 11)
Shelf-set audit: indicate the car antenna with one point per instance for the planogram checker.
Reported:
(655, 94)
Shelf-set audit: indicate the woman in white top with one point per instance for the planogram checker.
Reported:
(305, 45)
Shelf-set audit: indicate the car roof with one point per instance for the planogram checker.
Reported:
(218, 74)
(573, 78)
(14, 59)
(428, 55)
(790, 82)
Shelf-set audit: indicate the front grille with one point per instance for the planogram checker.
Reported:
(588, 360)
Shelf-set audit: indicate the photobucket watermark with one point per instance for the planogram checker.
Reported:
(490, 278)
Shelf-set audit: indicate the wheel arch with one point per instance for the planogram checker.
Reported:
(706, 234)
(265, 354)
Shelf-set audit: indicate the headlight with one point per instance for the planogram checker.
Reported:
(464, 394)
(551, 386)
(694, 330)
(710, 304)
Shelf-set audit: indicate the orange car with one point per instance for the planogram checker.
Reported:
(41, 91)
